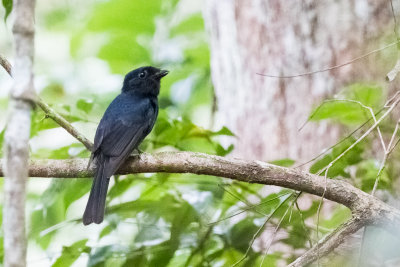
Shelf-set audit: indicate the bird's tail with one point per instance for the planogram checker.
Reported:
(94, 211)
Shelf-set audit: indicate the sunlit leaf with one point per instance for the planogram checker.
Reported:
(342, 111)
(8, 5)
(368, 94)
(367, 173)
(283, 162)
(192, 24)
(71, 253)
(352, 157)
(85, 105)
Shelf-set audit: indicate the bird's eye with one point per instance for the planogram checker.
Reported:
(142, 74)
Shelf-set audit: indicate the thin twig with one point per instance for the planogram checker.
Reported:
(370, 111)
(304, 224)
(259, 231)
(200, 245)
(241, 200)
(378, 176)
(51, 113)
(319, 213)
(394, 20)
(249, 208)
(326, 169)
(394, 104)
(385, 157)
(276, 230)
(341, 141)
(332, 67)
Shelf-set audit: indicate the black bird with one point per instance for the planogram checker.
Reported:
(127, 121)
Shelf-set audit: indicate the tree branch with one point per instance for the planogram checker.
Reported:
(365, 208)
(330, 242)
(51, 113)
(236, 169)
(16, 137)
(199, 163)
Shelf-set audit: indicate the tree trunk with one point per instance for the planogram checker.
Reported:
(285, 38)
(17, 136)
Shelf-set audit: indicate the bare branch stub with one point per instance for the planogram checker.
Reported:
(5, 64)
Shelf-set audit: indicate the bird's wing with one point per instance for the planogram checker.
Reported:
(116, 138)
(121, 137)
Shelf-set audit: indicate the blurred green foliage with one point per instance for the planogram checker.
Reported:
(7, 4)
(167, 219)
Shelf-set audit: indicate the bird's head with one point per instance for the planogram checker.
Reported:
(144, 80)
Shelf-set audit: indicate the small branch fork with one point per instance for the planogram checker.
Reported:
(329, 242)
(366, 209)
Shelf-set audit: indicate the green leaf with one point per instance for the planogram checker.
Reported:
(74, 150)
(8, 5)
(53, 205)
(352, 157)
(1, 141)
(192, 24)
(121, 186)
(340, 215)
(85, 105)
(369, 94)
(283, 162)
(242, 233)
(44, 218)
(53, 91)
(367, 172)
(135, 18)
(137, 258)
(151, 231)
(74, 189)
(132, 16)
(102, 254)
(106, 231)
(71, 253)
(341, 111)
(121, 50)
(221, 151)
(165, 252)
(224, 131)
(348, 109)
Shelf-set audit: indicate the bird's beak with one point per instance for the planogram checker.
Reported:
(161, 74)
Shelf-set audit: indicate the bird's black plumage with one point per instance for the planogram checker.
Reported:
(127, 121)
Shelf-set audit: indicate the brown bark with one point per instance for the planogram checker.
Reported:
(285, 38)
(366, 209)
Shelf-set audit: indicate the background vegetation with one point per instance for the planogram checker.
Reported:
(168, 219)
